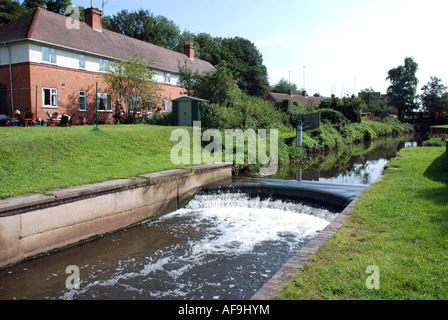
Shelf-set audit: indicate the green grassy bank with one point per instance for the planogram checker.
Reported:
(400, 225)
(37, 159)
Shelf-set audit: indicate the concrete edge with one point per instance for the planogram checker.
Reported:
(29, 202)
(275, 285)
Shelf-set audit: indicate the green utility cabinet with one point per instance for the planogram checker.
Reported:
(186, 110)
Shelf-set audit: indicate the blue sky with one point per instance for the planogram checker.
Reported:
(344, 45)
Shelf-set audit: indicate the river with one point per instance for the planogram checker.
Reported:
(220, 246)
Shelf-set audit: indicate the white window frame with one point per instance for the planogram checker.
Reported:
(104, 65)
(108, 104)
(82, 94)
(167, 77)
(82, 61)
(165, 103)
(53, 93)
(139, 107)
(51, 55)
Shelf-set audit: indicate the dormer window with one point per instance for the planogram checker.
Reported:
(48, 55)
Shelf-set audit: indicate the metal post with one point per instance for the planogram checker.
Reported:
(299, 134)
(96, 106)
(37, 118)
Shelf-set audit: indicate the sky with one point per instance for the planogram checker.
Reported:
(326, 46)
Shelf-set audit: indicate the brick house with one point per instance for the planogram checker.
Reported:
(303, 99)
(47, 64)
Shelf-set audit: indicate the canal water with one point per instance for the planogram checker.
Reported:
(220, 246)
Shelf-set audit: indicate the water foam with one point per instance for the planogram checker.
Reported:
(213, 226)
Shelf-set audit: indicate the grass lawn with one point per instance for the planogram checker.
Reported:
(399, 225)
(37, 159)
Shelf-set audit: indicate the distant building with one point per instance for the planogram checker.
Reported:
(303, 99)
(378, 95)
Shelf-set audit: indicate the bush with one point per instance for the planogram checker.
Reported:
(436, 140)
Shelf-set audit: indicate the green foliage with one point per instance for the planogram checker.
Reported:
(57, 6)
(436, 140)
(143, 25)
(293, 111)
(243, 112)
(403, 89)
(349, 107)
(435, 99)
(240, 55)
(215, 86)
(131, 82)
(283, 86)
(10, 10)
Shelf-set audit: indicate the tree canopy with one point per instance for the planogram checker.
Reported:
(283, 86)
(10, 10)
(240, 55)
(403, 89)
(435, 98)
(57, 6)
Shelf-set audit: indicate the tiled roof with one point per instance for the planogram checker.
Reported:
(49, 27)
(304, 100)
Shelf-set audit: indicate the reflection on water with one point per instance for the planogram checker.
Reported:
(359, 164)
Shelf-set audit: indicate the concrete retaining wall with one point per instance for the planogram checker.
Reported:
(34, 224)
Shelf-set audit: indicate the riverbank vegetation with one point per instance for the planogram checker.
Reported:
(398, 225)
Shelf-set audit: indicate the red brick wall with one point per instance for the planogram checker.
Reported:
(21, 86)
(68, 82)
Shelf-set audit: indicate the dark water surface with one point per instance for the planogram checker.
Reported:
(221, 246)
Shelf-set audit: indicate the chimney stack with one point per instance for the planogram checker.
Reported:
(189, 50)
(93, 18)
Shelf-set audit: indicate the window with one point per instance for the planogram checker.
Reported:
(104, 102)
(48, 55)
(135, 104)
(82, 101)
(167, 77)
(82, 61)
(165, 105)
(50, 97)
(104, 65)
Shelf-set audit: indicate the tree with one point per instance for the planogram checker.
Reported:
(349, 107)
(57, 6)
(143, 25)
(283, 86)
(435, 98)
(246, 63)
(10, 10)
(216, 86)
(402, 91)
(132, 82)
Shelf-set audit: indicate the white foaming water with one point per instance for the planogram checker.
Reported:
(209, 228)
(240, 223)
